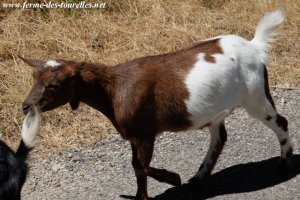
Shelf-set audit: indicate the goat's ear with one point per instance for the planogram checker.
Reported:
(33, 62)
(66, 72)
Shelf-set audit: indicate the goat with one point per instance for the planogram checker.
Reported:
(191, 88)
(13, 166)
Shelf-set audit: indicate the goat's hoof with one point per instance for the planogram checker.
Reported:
(141, 198)
(198, 180)
(165, 176)
(177, 180)
(195, 181)
(284, 165)
(173, 179)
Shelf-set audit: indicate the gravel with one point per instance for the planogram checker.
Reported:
(246, 168)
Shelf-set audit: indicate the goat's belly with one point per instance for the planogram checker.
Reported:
(214, 90)
(211, 108)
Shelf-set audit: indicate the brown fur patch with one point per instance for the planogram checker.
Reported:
(209, 58)
(210, 48)
(65, 72)
(146, 95)
(45, 76)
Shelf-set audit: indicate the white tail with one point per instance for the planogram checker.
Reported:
(267, 29)
(30, 126)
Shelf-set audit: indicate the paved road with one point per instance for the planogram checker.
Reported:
(246, 169)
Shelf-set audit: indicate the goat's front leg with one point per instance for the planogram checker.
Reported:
(218, 137)
(142, 150)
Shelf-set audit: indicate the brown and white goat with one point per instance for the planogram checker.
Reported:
(192, 88)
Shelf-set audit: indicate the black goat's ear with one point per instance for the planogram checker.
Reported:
(74, 104)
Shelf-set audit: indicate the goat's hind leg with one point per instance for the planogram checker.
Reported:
(279, 125)
(265, 111)
(261, 106)
(218, 138)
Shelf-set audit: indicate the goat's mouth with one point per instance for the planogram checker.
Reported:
(28, 107)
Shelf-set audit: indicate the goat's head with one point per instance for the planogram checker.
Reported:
(54, 85)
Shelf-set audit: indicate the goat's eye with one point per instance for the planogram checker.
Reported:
(52, 87)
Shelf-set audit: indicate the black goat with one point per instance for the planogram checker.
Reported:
(13, 166)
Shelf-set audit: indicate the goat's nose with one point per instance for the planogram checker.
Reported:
(26, 108)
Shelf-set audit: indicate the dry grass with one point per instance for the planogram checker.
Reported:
(124, 30)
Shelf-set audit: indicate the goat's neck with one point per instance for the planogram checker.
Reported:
(95, 88)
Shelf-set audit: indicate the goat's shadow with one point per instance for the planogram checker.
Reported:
(240, 178)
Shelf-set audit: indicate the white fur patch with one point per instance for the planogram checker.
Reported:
(213, 88)
(235, 79)
(30, 126)
(52, 63)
